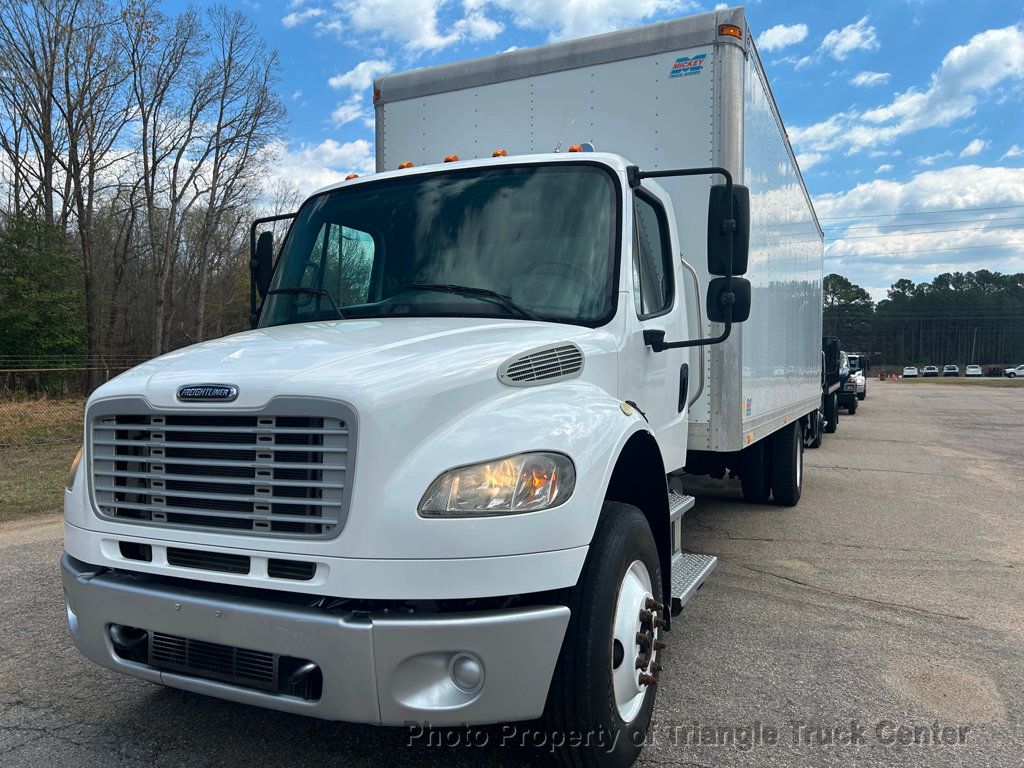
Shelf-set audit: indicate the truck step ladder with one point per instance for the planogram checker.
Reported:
(689, 570)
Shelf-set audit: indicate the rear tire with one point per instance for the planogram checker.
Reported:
(590, 692)
(755, 474)
(832, 413)
(787, 465)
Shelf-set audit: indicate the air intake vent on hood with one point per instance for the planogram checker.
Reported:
(541, 366)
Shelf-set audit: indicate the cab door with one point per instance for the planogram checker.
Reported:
(658, 382)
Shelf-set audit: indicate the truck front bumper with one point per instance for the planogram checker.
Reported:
(387, 668)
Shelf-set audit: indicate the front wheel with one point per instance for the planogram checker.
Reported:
(851, 408)
(787, 465)
(862, 395)
(604, 682)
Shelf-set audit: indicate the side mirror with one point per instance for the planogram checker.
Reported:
(719, 298)
(263, 262)
(719, 226)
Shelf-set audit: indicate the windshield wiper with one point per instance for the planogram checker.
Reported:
(482, 293)
(318, 292)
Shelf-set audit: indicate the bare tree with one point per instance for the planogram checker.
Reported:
(93, 106)
(248, 115)
(31, 41)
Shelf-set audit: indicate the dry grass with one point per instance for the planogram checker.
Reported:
(32, 479)
(40, 421)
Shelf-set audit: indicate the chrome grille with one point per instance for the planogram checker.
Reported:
(541, 366)
(271, 473)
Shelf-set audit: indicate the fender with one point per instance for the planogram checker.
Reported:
(576, 418)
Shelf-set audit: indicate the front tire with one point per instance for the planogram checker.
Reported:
(862, 395)
(787, 465)
(596, 688)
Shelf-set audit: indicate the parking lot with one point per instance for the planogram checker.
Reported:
(880, 622)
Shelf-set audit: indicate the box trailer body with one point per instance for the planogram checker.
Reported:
(435, 482)
(675, 94)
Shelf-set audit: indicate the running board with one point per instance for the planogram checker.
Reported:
(689, 572)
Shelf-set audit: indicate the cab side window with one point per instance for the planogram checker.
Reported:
(652, 259)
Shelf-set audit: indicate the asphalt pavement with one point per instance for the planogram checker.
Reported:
(880, 622)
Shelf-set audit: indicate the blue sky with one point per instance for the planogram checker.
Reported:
(906, 107)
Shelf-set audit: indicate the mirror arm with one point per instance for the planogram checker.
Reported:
(253, 313)
(656, 339)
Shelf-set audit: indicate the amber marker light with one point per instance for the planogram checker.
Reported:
(575, 148)
(451, 158)
(352, 176)
(406, 164)
(499, 153)
(730, 30)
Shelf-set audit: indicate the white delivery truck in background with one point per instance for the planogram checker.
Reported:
(438, 482)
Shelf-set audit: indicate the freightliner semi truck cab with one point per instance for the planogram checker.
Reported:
(389, 501)
(434, 483)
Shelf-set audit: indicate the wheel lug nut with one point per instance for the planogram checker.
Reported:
(654, 605)
(656, 668)
(646, 617)
(659, 645)
(641, 663)
(643, 640)
(659, 623)
(648, 679)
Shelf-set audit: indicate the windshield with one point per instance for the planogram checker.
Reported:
(542, 237)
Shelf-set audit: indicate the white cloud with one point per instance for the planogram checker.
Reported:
(839, 43)
(1013, 151)
(295, 18)
(563, 19)
(974, 147)
(967, 73)
(884, 168)
(932, 159)
(414, 24)
(868, 79)
(721, 6)
(808, 160)
(348, 111)
(310, 166)
(873, 251)
(360, 77)
(781, 35)
(296, 95)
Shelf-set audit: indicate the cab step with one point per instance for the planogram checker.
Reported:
(689, 572)
(678, 505)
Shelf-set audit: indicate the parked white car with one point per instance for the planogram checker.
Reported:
(910, 372)
(1015, 372)
(861, 383)
(973, 370)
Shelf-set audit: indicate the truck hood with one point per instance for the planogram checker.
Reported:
(364, 362)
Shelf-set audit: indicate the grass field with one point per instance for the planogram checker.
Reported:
(38, 440)
(32, 479)
(40, 421)
(963, 381)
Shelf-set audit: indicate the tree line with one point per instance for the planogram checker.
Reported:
(132, 148)
(960, 317)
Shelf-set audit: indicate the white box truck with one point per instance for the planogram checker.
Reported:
(438, 481)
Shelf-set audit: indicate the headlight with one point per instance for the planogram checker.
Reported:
(74, 469)
(527, 482)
